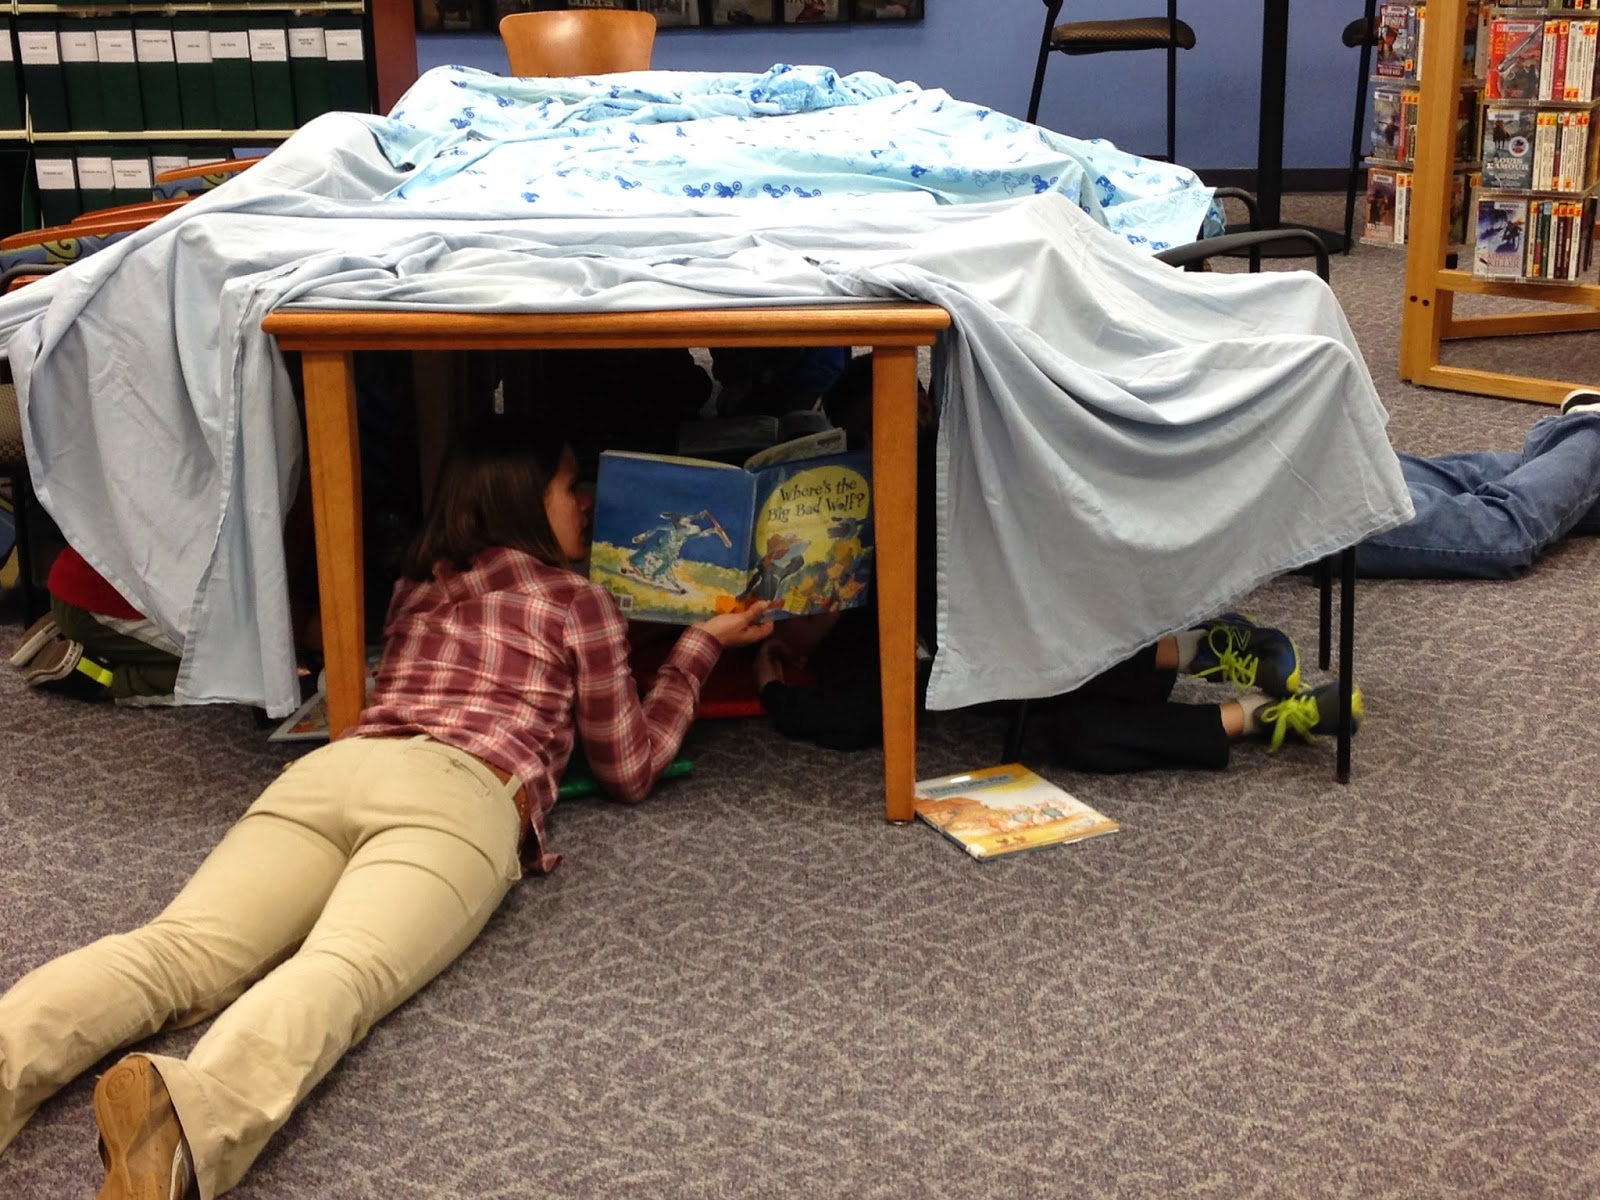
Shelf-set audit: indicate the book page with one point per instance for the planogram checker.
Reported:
(811, 445)
(671, 536)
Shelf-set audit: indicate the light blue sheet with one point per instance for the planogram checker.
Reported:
(1126, 447)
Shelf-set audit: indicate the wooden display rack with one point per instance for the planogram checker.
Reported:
(1428, 317)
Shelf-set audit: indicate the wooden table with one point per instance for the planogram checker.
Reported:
(326, 339)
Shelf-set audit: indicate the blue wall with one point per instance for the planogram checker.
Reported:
(983, 50)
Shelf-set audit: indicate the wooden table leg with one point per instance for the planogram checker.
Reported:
(335, 460)
(894, 484)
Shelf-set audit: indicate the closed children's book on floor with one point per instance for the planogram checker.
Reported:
(680, 539)
(1000, 810)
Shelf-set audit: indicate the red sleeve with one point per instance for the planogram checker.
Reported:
(630, 741)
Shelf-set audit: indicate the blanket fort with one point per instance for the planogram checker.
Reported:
(1124, 447)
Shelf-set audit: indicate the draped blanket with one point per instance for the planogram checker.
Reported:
(1125, 447)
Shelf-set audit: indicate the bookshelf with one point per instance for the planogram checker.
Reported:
(1428, 316)
(86, 85)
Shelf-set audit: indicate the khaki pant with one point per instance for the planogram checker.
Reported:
(359, 875)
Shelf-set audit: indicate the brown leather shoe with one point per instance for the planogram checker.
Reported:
(140, 1138)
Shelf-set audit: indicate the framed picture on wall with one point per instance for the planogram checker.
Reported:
(886, 10)
(671, 13)
(744, 12)
(809, 12)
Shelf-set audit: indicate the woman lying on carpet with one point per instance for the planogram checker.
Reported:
(371, 863)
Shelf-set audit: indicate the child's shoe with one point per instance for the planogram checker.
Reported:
(141, 1141)
(63, 667)
(1234, 648)
(1307, 713)
(1580, 400)
(33, 641)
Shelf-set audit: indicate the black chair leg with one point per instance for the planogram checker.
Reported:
(1015, 729)
(1324, 576)
(1347, 646)
(33, 604)
(1172, 81)
(1358, 136)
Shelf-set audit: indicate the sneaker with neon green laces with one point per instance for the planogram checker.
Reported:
(1234, 649)
(1307, 713)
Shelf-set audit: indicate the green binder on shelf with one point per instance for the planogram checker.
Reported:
(10, 80)
(119, 73)
(347, 63)
(230, 71)
(80, 68)
(42, 80)
(158, 71)
(270, 81)
(57, 184)
(308, 67)
(97, 186)
(191, 48)
(130, 174)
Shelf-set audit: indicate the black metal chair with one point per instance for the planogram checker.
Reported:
(1363, 33)
(1107, 37)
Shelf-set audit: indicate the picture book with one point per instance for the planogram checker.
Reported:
(680, 539)
(1000, 810)
(1508, 146)
(309, 722)
(1501, 237)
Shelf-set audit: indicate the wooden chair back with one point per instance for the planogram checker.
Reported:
(578, 41)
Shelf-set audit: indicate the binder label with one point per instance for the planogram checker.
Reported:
(94, 173)
(131, 174)
(192, 45)
(269, 45)
(344, 45)
(114, 45)
(5, 50)
(78, 46)
(39, 48)
(55, 174)
(307, 41)
(230, 43)
(155, 45)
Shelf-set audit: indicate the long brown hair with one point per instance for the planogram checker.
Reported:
(491, 493)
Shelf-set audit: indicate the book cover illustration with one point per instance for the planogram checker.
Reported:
(1508, 146)
(805, 12)
(1000, 810)
(1380, 206)
(1516, 52)
(678, 539)
(1501, 237)
(1383, 124)
(1397, 41)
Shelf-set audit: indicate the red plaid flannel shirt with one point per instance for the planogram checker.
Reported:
(511, 658)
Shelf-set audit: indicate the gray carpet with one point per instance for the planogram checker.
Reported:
(1266, 985)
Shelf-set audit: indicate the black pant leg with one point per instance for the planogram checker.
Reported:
(1109, 736)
